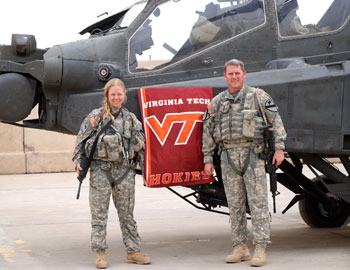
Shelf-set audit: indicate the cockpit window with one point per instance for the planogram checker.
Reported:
(304, 17)
(130, 15)
(177, 28)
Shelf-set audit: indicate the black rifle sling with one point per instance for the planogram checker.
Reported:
(98, 135)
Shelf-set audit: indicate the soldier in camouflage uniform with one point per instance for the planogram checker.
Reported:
(233, 124)
(112, 170)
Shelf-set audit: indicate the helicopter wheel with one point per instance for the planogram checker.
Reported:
(316, 215)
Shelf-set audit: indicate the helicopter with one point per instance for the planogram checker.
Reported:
(302, 62)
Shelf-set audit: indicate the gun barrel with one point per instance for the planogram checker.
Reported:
(79, 188)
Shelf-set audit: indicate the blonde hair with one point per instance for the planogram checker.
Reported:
(108, 86)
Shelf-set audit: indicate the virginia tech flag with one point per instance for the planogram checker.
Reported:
(172, 121)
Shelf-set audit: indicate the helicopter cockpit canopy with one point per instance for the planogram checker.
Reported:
(130, 16)
(117, 21)
(304, 17)
(176, 29)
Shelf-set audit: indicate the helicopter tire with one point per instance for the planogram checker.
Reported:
(316, 215)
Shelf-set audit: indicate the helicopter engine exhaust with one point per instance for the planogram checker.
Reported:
(16, 97)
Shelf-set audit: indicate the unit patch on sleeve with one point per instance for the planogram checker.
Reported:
(93, 122)
(270, 105)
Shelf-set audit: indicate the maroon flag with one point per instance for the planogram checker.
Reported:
(172, 121)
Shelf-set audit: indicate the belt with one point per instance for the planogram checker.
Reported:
(241, 143)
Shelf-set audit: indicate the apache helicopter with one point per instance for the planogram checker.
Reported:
(304, 65)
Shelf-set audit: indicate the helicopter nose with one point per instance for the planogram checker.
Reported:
(16, 97)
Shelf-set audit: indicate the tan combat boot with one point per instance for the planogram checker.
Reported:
(239, 253)
(259, 258)
(101, 259)
(138, 258)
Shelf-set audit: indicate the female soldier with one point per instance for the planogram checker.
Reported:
(111, 171)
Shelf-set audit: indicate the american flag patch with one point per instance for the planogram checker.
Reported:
(210, 108)
(93, 122)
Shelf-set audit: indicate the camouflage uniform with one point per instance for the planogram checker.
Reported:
(232, 123)
(112, 172)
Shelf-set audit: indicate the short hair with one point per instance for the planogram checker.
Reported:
(234, 62)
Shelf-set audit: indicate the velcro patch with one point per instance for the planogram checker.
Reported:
(84, 127)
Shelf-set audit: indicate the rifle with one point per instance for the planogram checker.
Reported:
(268, 153)
(86, 161)
(85, 165)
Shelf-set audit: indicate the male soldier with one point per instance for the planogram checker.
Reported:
(234, 124)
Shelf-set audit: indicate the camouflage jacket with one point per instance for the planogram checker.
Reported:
(124, 140)
(236, 119)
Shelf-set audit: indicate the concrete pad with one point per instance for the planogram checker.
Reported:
(43, 226)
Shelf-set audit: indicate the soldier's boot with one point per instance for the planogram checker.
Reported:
(259, 258)
(101, 259)
(138, 258)
(239, 253)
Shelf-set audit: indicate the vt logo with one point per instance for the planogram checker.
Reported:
(162, 130)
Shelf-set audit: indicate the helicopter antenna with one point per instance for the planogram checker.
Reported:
(102, 14)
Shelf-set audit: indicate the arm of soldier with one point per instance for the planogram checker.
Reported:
(138, 142)
(280, 137)
(208, 143)
(279, 133)
(78, 150)
(140, 159)
(137, 135)
(85, 131)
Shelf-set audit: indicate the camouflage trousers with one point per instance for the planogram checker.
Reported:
(116, 179)
(252, 185)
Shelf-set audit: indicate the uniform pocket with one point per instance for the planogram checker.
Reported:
(100, 149)
(88, 146)
(249, 118)
(113, 147)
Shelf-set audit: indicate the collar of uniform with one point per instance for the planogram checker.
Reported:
(114, 111)
(228, 95)
(239, 94)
